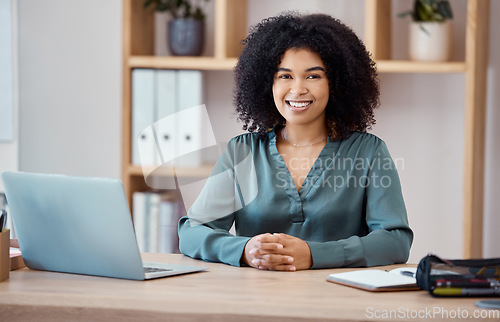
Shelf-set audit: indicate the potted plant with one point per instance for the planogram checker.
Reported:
(186, 28)
(430, 30)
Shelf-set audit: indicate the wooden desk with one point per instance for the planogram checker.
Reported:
(223, 293)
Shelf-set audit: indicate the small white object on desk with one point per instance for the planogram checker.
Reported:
(377, 280)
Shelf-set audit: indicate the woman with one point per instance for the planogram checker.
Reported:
(307, 187)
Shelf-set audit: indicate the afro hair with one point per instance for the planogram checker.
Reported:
(352, 74)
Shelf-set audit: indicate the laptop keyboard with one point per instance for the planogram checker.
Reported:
(155, 269)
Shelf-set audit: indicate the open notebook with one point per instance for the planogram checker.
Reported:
(377, 280)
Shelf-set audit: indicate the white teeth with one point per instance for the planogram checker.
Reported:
(298, 104)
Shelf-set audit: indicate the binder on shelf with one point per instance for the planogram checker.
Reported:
(194, 134)
(165, 109)
(166, 97)
(156, 215)
(149, 156)
(171, 124)
(194, 131)
(143, 101)
(168, 240)
(152, 208)
(139, 219)
(189, 92)
(187, 132)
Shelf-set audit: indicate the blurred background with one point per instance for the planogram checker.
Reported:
(67, 85)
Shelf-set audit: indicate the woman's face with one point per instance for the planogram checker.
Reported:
(301, 89)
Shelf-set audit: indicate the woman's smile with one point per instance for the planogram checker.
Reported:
(298, 106)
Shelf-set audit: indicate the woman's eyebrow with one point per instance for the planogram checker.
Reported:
(283, 69)
(315, 68)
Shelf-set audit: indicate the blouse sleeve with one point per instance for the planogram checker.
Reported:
(204, 232)
(389, 238)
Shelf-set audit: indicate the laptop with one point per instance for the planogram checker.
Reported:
(78, 225)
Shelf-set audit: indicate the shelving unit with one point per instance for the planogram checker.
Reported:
(378, 31)
(230, 28)
(138, 52)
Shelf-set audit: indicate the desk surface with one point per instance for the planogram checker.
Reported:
(223, 293)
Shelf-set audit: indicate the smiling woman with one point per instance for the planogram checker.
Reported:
(306, 87)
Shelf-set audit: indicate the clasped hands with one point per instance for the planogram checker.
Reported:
(279, 252)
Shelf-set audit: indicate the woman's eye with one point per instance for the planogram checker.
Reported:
(313, 76)
(284, 76)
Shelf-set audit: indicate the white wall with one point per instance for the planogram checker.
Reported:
(492, 180)
(422, 120)
(9, 141)
(70, 87)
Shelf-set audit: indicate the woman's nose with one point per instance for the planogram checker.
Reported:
(298, 87)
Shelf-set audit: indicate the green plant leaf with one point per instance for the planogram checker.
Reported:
(405, 13)
(429, 10)
(423, 11)
(177, 8)
(147, 3)
(425, 30)
(444, 9)
(198, 14)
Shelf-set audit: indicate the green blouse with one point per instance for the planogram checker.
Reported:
(350, 209)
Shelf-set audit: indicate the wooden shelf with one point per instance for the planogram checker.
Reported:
(188, 172)
(401, 66)
(211, 63)
(175, 62)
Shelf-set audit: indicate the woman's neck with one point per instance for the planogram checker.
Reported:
(304, 135)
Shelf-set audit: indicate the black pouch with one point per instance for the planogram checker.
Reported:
(458, 277)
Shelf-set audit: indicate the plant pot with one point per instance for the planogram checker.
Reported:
(186, 37)
(430, 41)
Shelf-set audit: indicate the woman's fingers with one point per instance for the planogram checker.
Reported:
(274, 262)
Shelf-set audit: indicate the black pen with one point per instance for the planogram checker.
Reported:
(408, 273)
(3, 220)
